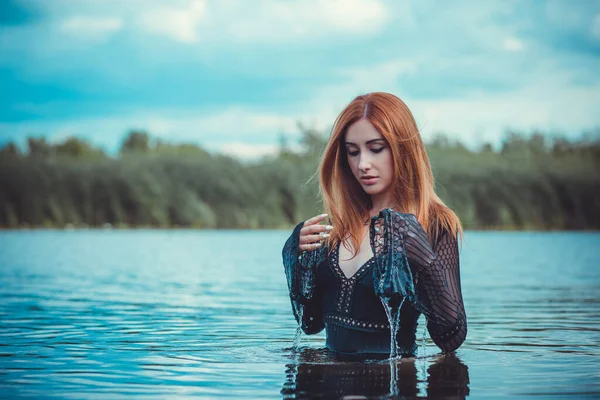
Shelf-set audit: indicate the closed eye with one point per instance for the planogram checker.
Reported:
(355, 153)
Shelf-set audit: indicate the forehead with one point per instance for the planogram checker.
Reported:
(362, 131)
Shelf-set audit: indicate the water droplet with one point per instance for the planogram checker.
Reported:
(393, 316)
(394, 319)
(298, 335)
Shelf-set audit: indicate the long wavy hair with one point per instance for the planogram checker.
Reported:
(345, 201)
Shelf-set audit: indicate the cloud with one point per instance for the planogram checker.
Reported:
(215, 131)
(238, 73)
(551, 102)
(178, 23)
(337, 15)
(277, 21)
(595, 28)
(513, 44)
(248, 151)
(485, 118)
(383, 73)
(382, 76)
(226, 21)
(94, 28)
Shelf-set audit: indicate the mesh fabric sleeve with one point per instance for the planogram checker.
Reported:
(300, 271)
(428, 277)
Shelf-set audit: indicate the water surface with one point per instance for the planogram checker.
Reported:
(99, 314)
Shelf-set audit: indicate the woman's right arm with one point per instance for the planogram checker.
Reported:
(300, 267)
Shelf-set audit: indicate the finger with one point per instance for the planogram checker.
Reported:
(310, 246)
(313, 238)
(315, 220)
(315, 229)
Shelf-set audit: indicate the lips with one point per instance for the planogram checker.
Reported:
(369, 179)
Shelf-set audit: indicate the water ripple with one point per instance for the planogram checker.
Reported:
(166, 313)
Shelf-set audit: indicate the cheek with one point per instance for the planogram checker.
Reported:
(353, 165)
(388, 164)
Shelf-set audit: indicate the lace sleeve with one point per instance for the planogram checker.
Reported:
(429, 278)
(300, 271)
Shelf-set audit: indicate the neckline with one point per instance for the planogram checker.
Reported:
(340, 272)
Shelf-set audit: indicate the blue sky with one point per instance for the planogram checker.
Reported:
(232, 75)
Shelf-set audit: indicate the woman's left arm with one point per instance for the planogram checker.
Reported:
(435, 273)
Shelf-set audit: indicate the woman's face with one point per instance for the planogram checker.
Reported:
(369, 157)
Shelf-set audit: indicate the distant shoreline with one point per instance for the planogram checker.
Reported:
(183, 228)
(530, 184)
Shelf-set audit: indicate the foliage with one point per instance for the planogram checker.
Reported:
(531, 182)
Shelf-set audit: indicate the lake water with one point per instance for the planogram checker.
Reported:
(149, 313)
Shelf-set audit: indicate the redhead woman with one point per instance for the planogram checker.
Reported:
(390, 252)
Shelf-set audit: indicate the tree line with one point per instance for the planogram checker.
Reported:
(530, 182)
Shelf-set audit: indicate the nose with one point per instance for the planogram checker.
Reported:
(365, 162)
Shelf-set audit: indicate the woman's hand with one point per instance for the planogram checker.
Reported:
(312, 233)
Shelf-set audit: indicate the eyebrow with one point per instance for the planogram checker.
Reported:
(368, 141)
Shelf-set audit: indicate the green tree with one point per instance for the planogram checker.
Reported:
(136, 142)
(9, 151)
(535, 184)
(38, 147)
(75, 147)
(179, 149)
(312, 140)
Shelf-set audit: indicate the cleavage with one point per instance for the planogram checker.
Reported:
(350, 267)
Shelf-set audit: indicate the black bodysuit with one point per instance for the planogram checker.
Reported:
(404, 271)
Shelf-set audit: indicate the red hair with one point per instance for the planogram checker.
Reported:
(345, 201)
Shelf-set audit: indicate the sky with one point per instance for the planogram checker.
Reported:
(234, 75)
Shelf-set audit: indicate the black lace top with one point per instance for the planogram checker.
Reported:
(405, 271)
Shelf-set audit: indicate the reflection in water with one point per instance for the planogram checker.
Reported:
(317, 374)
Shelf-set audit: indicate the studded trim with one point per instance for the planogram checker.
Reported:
(352, 323)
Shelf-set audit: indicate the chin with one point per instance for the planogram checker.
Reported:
(372, 190)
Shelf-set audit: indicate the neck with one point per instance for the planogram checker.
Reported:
(381, 201)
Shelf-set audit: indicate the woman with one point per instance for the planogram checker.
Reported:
(392, 239)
